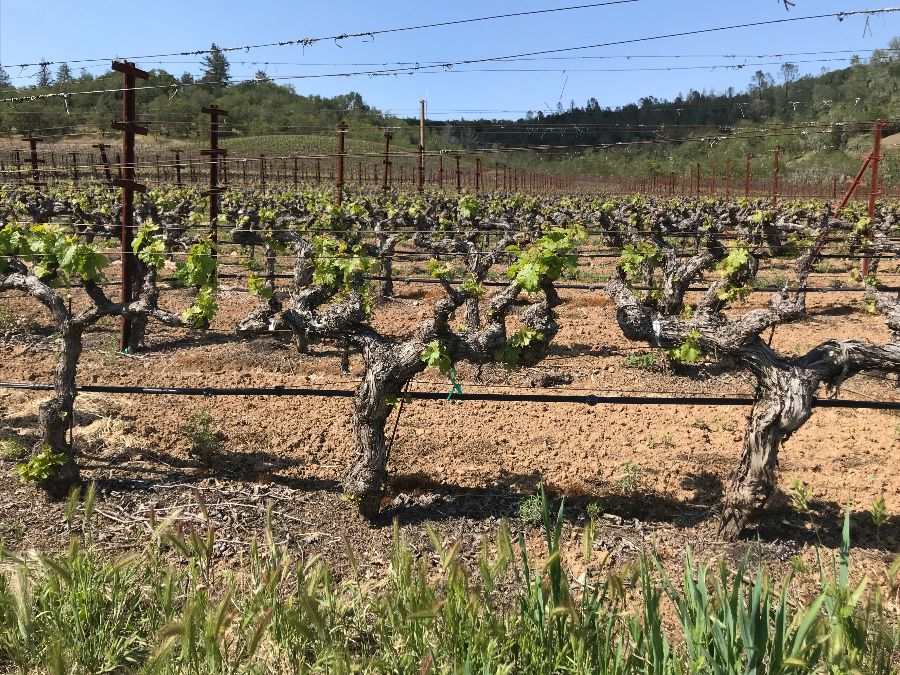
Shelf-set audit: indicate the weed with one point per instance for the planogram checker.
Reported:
(594, 510)
(701, 424)
(630, 479)
(12, 449)
(7, 319)
(205, 440)
(880, 517)
(643, 361)
(797, 565)
(665, 441)
(43, 466)
(800, 495)
(83, 611)
(530, 509)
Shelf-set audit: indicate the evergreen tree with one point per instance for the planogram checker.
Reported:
(44, 80)
(63, 74)
(5, 82)
(215, 67)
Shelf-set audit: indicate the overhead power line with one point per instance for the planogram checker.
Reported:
(307, 41)
(509, 57)
(577, 57)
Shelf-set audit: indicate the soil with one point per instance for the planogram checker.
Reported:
(657, 473)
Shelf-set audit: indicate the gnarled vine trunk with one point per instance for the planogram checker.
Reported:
(55, 414)
(783, 406)
(388, 370)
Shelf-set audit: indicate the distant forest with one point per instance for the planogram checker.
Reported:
(820, 120)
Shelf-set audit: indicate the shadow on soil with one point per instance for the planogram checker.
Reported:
(414, 499)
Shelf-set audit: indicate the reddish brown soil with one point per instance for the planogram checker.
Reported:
(461, 466)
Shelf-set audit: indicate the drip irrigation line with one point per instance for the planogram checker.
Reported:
(598, 287)
(589, 399)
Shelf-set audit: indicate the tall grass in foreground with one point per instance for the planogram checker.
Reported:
(168, 609)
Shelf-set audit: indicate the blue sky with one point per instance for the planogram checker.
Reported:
(67, 30)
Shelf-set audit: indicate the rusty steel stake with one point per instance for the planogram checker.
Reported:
(33, 157)
(178, 167)
(342, 132)
(129, 127)
(215, 153)
(873, 191)
(747, 176)
(387, 161)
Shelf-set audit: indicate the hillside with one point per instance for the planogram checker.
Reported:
(821, 123)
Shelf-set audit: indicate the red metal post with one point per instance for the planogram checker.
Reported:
(129, 127)
(441, 170)
(458, 176)
(178, 167)
(775, 179)
(873, 190)
(36, 181)
(215, 153)
(103, 147)
(342, 131)
(477, 175)
(727, 178)
(387, 159)
(747, 176)
(75, 167)
(19, 176)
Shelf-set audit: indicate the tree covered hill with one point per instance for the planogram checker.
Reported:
(822, 122)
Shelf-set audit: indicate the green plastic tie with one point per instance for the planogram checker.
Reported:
(457, 389)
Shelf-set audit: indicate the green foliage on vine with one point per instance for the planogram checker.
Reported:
(200, 271)
(729, 266)
(339, 264)
(149, 248)
(548, 257)
(258, 287)
(688, 351)
(58, 258)
(635, 257)
(511, 352)
(472, 287)
(435, 356)
(199, 268)
(203, 309)
(442, 271)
